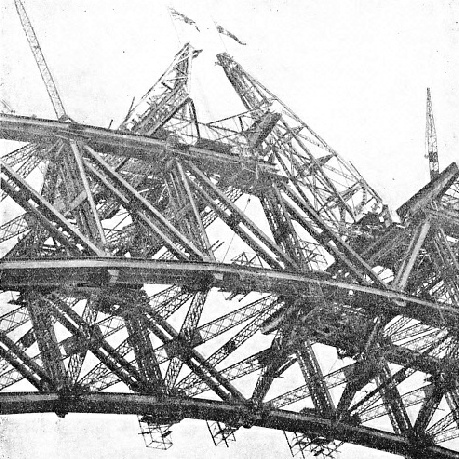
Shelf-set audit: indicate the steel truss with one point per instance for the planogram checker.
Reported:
(114, 275)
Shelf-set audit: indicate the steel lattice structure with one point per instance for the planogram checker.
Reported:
(119, 296)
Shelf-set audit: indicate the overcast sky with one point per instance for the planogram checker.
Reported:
(355, 71)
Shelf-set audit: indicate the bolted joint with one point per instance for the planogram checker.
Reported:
(178, 347)
(201, 283)
(247, 416)
(447, 380)
(420, 440)
(65, 399)
(94, 335)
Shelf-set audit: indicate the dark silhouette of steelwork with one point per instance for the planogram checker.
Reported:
(116, 275)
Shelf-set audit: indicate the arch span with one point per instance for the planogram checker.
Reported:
(180, 408)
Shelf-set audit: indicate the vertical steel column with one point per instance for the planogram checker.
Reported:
(47, 342)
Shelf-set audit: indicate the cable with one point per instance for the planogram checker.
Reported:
(215, 27)
(168, 8)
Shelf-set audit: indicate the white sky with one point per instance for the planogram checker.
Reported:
(356, 71)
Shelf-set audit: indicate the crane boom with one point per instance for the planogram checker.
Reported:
(431, 139)
(40, 60)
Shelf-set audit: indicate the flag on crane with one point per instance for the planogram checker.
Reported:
(226, 32)
(182, 17)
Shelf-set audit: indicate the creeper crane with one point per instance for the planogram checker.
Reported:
(46, 76)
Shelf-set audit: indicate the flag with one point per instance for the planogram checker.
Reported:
(181, 17)
(220, 29)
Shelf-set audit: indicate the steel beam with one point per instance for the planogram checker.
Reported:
(148, 149)
(306, 422)
(93, 216)
(236, 215)
(314, 378)
(432, 398)
(24, 364)
(334, 244)
(430, 192)
(132, 198)
(411, 254)
(19, 274)
(43, 326)
(44, 211)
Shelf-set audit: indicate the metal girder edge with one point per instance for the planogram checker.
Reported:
(17, 274)
(179, 408)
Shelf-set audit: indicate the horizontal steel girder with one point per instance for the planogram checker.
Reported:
(25, 129)
(20, 274)
(430, 192)
(176, 408)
